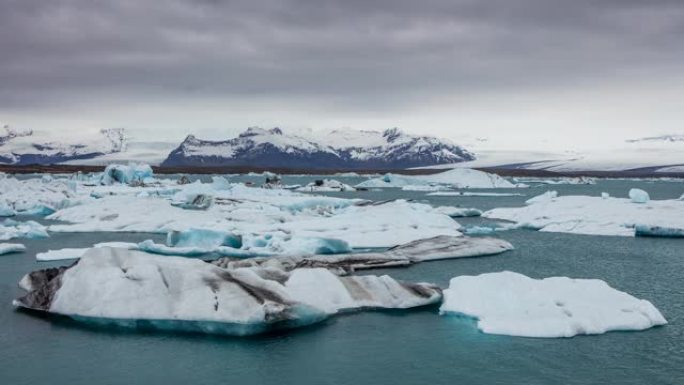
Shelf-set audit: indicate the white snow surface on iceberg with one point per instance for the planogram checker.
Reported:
(513, 304)
(117, 285)
(25, 196)
(255, 211)
(456, 178)
(593, 215)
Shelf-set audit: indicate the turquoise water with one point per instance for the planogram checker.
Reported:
(399, 347)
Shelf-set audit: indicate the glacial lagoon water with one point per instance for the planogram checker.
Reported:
(397, 347)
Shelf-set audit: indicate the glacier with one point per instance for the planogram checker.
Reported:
(513, 304)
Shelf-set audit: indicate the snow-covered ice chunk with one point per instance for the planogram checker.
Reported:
(593, 215)
(458, 212)
(605, 195)
(455, 178)
(7, 248)
(513, 304)
(638, 195)
(130, 288)
(542, 197)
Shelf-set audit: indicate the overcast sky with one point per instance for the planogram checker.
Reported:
(568, 72)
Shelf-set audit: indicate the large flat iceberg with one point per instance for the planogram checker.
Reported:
(513, 304)
(597, 215)
(456, 178)
(133, 289)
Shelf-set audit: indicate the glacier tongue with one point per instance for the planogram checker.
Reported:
(131, 288)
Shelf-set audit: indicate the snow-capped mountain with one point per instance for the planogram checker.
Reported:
(29, 147)
(325, 150)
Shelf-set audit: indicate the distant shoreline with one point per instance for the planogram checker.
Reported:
(502, 171)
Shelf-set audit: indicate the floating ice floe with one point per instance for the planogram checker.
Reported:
(11, 229)
(205, 243)
(7, 248)
(77, 253)
(427, 188)
(456, 178)
(542, 197)
(249, 211)
(325, 185)
(597, 216)
(458, 212)
(558, 181)
(441, 247)
(638, 196)
(6, 210)
(471, 194)
(513, 304)
(132, 289)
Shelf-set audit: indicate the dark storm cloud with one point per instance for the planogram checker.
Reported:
(52, 51)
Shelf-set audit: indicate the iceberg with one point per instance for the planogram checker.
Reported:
(127, 288)
(458, 212)
(594, 215)
(455, 178)
(512, 304)
(549, 195)
(35, 197)
(203, 242)
(11, 229)
(325, 185)
(8, 248)
(132, 174)
(430, 249)
(245, 211)
(638, 196)
(77, 253)
(472, 194)
(203, 238)
(658, 231)
(6, 210)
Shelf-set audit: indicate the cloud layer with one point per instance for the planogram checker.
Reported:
(336, 58)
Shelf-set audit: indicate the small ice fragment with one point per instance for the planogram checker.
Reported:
(638, 196)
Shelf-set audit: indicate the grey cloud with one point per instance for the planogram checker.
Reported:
(349, 51)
